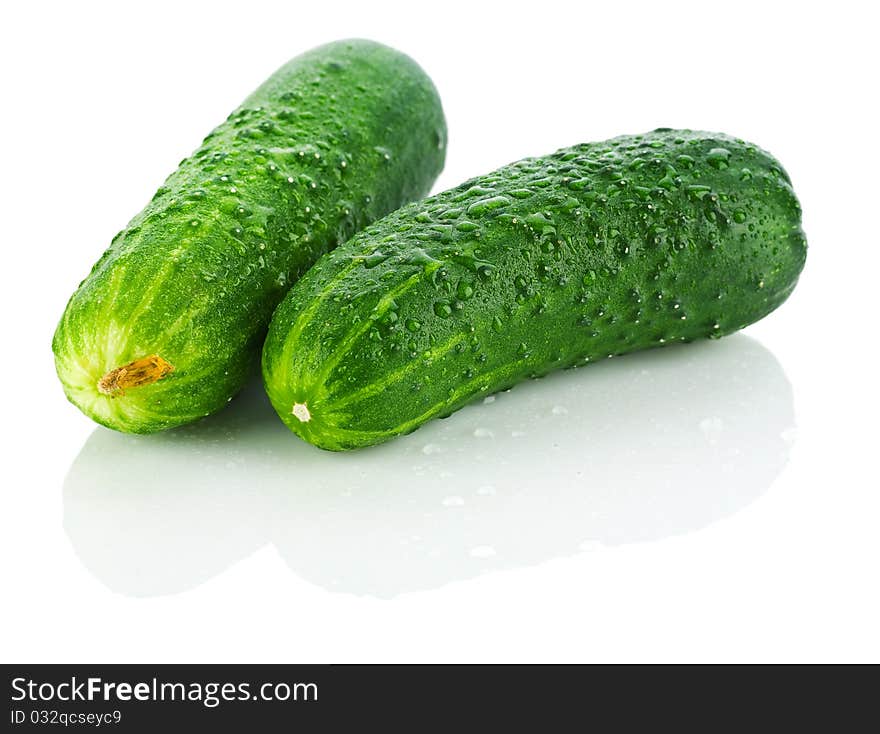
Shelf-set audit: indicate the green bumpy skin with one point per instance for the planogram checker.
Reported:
(594, 251)
(170, 321)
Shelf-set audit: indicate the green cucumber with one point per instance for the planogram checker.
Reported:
(594, 251)
(170, 321)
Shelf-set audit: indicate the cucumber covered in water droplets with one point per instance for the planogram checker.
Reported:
(170, 321)
(594, 251)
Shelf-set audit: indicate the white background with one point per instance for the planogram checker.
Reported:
(712, 502)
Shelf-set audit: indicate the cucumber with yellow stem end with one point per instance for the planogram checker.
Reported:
(170, 321)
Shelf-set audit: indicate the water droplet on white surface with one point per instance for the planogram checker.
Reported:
(789, 435)
(712, 427)
(483, 551)
(591, 545)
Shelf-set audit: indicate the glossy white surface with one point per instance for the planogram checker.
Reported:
(658, 445)
(715, 501)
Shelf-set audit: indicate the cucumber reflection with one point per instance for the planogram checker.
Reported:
(634, 449)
